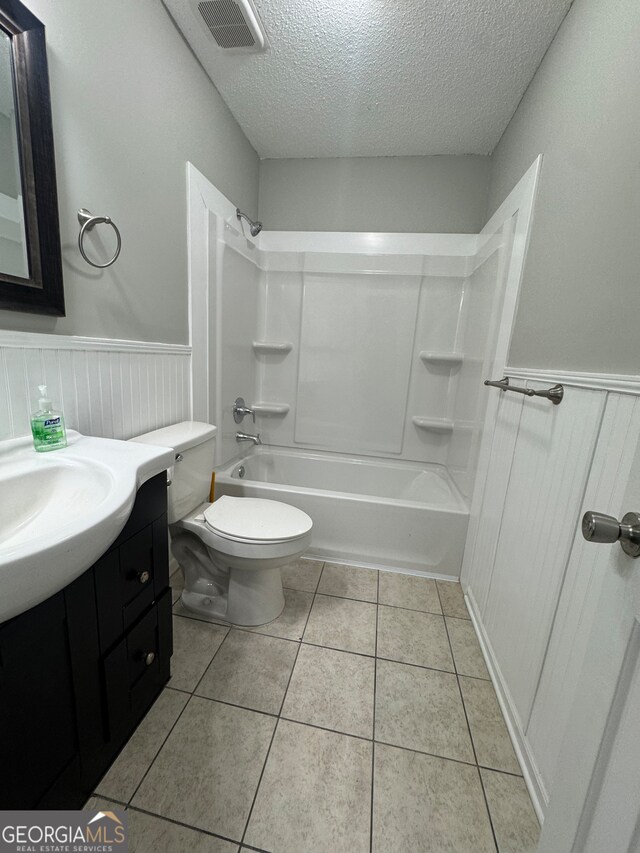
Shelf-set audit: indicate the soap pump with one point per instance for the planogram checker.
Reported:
(47, 425)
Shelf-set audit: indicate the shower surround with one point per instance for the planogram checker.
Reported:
(363, 357)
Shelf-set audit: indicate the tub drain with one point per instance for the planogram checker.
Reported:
(240, 471)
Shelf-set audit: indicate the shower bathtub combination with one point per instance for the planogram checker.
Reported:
(361, 358)
(370, 512)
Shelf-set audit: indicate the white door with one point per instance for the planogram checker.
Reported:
(594, 804)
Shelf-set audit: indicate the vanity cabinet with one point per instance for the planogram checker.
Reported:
(79, 671)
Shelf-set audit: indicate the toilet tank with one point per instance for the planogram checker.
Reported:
(194, 446)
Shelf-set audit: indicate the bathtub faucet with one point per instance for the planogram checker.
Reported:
(245, 436)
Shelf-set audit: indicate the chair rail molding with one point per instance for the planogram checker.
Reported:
(35, 340)
(618, 382)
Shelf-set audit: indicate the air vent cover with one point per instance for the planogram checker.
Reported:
(232, 24)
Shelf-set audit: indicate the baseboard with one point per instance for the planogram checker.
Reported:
(530, 772)
(328, 556)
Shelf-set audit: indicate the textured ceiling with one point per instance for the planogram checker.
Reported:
(348, 78)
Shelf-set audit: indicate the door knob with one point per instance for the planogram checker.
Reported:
(597, 527)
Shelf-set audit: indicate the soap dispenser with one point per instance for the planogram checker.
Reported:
(47, 425)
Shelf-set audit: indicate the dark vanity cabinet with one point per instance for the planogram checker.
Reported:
(79, 671)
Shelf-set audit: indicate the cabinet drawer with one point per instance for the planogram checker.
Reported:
(137, 574)
(132, 678)
(142, 647)
(129, 578)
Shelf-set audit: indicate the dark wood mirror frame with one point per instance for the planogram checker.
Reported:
(43, 291)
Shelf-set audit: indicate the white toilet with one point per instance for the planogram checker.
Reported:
(230, 551)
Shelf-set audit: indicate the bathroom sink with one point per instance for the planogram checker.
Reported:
(60, 511)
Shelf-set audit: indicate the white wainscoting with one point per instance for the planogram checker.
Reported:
(526, 569)
(108, 388)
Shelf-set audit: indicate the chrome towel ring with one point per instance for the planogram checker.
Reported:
(87, 221)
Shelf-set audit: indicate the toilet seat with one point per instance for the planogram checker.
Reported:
(256, 521)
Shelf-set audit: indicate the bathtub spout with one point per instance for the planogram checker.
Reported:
(245, 436)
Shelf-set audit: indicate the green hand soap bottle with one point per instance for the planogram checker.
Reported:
(47, 425)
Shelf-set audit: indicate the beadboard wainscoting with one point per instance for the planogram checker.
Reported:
(108, 388)
(527, 570)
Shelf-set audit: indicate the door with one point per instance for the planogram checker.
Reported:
(594, 804)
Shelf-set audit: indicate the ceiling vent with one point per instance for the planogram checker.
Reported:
(234, 24)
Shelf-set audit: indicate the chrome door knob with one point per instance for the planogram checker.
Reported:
(597, 527)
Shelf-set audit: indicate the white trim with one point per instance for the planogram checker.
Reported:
(515, 216)
(370, 243)
(521, 196)
(530, 773)
(618, 382)
(34, 340)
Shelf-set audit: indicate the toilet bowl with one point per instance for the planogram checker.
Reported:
(231, 551)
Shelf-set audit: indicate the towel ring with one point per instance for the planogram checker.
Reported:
(87, 221)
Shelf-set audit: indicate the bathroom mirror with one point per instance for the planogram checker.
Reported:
(30, 260)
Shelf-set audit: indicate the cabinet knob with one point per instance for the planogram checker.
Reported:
(148, 657)
(144, 577)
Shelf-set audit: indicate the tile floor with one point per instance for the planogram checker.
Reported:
(362, 720)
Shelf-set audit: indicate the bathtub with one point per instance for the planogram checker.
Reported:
(371, 512)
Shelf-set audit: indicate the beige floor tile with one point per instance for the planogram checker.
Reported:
(332, 689)
(340, 623)
(208, 770)
(349, 582)
(488, 729)
(127, 771)
(194, 645)
(409, 591)
(149, 834)
(421, 709)
(290, 624)
(302, 574)
(452, 599)
(251, 670)
(427, 804)
(315, 794)
(467, 654)
(514, 820)
(413, 637)
(95, 803)
(177, 584)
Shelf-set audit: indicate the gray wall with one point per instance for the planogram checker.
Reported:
(130, 106)
(580, 299)
(432, 194)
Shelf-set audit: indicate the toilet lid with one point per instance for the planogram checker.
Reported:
(256, 520)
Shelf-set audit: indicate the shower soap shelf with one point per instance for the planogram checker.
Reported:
(452, 358)
(272, 347)
(271, 408)
(432, 424)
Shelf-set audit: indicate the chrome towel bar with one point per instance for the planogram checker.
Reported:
(554, 394)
